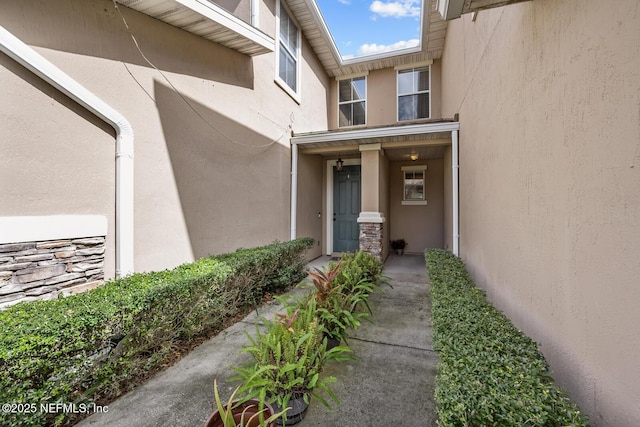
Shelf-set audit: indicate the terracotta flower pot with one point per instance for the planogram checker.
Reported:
(242, 415)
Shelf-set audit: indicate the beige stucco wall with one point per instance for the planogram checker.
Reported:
(548, 94)
(239, 8)
(198, 188)
(370, 197)
(421, 226)
(381, 98)
(310, 213)
(57, 158)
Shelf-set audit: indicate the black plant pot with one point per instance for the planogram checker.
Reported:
(332, 342)
(296, 413)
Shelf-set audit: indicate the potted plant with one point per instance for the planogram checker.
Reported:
(287, 361)
(398, 246)
(241, 413)
(334, 308)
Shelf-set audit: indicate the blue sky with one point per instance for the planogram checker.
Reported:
(364, 27)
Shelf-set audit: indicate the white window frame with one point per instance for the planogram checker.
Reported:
(366, 89)
(413, 68)
(295, 94)
(414, 168)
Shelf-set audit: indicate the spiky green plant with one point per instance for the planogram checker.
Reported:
(288, 359)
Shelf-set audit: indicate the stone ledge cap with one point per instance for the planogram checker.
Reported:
(15, 229)
(371, 217)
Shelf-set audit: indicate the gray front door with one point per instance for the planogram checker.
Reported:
(346, 208)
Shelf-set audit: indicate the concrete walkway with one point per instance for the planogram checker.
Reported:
(391, 383)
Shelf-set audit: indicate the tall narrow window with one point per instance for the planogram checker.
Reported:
(288, 50)
(352, 101)
(413, 94)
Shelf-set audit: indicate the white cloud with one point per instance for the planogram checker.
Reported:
(396, 9)
(369, 49)
(346, 2)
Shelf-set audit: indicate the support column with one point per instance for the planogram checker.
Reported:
(294, 190)
(456, 194)
(371, 219)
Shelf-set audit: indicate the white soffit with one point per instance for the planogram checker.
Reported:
(206, 20)
(452, 9)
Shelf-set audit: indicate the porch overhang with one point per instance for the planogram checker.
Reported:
(432, 133)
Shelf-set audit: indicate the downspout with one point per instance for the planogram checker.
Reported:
(454, 177)
(255, 13)
(294, 189)
(34, 62)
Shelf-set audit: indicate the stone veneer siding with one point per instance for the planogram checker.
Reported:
(371, 234)
(46, 269)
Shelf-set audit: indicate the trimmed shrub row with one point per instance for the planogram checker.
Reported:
(490, 373)
(91, 347)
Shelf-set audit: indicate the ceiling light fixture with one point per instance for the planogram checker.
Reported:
(413, 156)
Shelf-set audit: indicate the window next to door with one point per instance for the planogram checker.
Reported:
(414, 89)
(414, 184)
(352, 101)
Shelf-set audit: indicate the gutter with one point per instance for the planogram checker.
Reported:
(30, 59)
(255, 13)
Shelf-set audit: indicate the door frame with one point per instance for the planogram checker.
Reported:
(329, 201)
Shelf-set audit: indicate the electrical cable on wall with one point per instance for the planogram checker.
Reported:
(287, 129)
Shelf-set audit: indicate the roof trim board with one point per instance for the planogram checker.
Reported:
(374, 134)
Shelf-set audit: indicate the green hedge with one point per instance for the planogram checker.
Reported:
(490, 373)
(93, 346)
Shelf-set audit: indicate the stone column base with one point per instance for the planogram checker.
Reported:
(371, 233)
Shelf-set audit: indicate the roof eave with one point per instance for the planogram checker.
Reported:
(207, 20)
(319, 36)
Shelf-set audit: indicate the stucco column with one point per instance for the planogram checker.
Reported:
(371, 218)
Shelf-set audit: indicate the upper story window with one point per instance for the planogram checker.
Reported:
(413, 93)
(352, 101)
(288, 57)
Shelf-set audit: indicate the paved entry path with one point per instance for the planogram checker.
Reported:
(391, 383)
